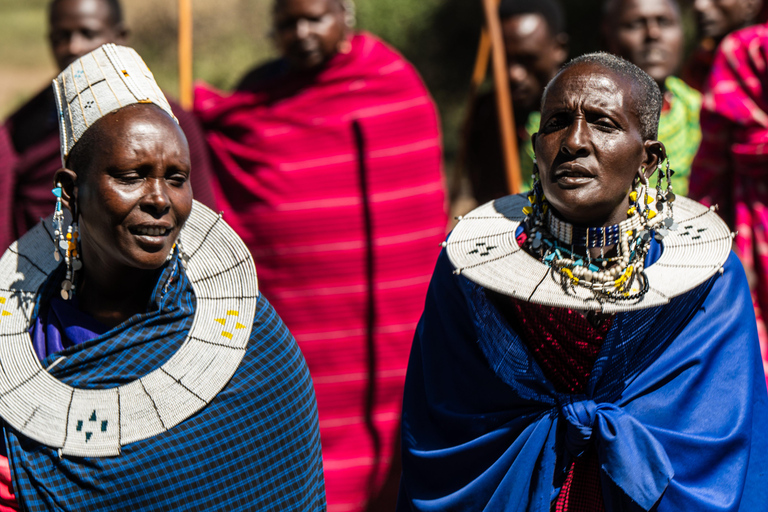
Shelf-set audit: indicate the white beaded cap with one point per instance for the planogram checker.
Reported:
(105, 80)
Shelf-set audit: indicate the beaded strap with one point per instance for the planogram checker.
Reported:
(590, 237)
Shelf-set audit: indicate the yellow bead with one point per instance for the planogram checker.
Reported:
(651, 214)
(633, 196)
(527, 210)
(532, 199)
(648, 199)
(632, 211)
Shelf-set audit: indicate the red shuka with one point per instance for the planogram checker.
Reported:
(334, 182)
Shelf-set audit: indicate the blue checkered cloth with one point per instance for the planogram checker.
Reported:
(256, 446)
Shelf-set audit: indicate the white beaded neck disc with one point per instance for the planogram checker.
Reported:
(483, 248)
(96, 423)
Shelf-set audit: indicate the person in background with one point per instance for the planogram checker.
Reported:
(715, 19)
(649, 34)
(327, 162)
(730, 168)
(536, 46)
(75, 27)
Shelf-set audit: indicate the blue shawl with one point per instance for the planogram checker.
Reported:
(256, 446)
(676, 406)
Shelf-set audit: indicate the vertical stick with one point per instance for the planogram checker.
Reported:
(503, 97)
(185, 53)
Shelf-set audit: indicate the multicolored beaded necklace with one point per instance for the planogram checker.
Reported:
(555, 241)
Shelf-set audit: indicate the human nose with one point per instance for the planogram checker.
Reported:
(701, 5)
(156, 197)
(574, 142)
(302, 29)
(652, 30)
(517, 73)
(77, 44)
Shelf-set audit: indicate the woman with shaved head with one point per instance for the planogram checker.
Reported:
(590, 347)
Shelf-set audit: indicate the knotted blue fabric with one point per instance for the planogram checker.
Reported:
(620, 440)
(676, 407)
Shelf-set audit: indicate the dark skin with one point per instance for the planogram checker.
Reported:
(590, 146)
(309, 32)
(534, 55)
(647, 33)
(718, 18)
(131, 203)
(77, 27)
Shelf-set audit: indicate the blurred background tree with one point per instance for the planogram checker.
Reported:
(438, 36)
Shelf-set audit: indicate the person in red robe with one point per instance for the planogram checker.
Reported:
(715, 19)
(328, 164)
(31, 154)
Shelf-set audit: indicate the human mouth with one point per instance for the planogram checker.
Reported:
(570, 175)
(151, 230)
(654, 56)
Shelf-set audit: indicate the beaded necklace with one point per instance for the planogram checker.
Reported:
(621, 277)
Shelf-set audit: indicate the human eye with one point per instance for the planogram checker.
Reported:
(177, 178)
(129, 177)
(666, 22)
(555, 122)
(604, 123)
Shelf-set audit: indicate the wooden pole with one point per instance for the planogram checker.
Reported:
(481, 62)
(503, 97)
(185, 53)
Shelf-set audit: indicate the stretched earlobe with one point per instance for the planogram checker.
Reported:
(67, 180)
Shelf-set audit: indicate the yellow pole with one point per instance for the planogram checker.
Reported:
(503, 97)
(185, 53)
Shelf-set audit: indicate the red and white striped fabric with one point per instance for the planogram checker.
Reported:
(334, 182)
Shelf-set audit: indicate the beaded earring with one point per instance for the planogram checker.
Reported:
(58, 224)
(68, 243)
(664, 200)
(72, 260)
(536, 211)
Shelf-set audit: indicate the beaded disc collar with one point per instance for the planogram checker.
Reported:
(483, 248)
(42, 408)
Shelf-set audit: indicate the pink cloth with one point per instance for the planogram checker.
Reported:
(334, 182)
(8, 501)
(731, 168)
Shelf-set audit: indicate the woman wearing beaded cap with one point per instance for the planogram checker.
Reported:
(591, 347)
(156, 377)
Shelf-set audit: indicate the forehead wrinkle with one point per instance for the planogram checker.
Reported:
(593, 91)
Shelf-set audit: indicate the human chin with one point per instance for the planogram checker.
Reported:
(151, 251)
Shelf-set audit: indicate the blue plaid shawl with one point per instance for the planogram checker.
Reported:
(255, 447)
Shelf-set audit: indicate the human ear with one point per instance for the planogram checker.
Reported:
(68, 181)
(655, 153)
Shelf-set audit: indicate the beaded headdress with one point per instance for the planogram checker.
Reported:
(105, 80)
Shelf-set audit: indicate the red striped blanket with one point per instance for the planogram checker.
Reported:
(334, 182)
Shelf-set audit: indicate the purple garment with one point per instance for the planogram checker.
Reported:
(62, 325)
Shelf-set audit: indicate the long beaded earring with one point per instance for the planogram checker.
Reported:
(535, 212)
(58, 224)
(72, 260)
(68, 243)
(665, 197)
